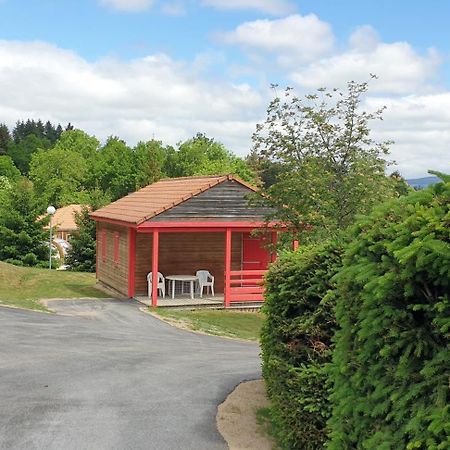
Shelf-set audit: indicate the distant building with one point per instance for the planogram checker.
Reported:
(64, 221)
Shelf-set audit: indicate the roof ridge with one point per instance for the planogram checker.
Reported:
(194, 177)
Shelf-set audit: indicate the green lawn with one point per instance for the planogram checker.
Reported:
(244, 325)
(23, 286)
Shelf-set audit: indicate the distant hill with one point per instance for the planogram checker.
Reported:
(423, 182)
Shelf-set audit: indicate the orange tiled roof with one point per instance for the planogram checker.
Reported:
(64, 217)
(158, 197)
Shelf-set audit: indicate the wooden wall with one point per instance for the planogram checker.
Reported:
(143, 262)
(110, 272)
(185, 253)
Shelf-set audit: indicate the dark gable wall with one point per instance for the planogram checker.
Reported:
(225, 202)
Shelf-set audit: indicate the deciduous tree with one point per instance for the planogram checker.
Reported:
(113, 170)
(204, 156)
(149, 160)
(332, 168)
(60, 175)
(23, 150)
(8, 169)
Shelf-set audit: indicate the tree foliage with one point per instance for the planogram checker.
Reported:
(401, 186)
(113, 169)
(22, 239)
(82, 254)
(70, 166)
(37, 128)
(22, 151)
(149, 161)
(329, 168)
(296, 343)
(27, 138)
(8, 168)
(203, 156)
(5, 139)
(392, 357)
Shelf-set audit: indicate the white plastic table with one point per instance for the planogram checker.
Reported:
(183, 278)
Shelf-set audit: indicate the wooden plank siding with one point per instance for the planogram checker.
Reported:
(185, 253)
(223, 202)
(113, 273)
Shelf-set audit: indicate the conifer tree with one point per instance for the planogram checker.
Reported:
(81, 255)
(5, 139)
(22, 238)
(392, 356)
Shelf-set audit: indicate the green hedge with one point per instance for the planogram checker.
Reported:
(391, 360)
(296, 343)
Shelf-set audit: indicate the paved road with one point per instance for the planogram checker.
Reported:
(107, 376)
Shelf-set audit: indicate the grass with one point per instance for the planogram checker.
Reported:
(24, 286)
(243, 325)
(264, 420)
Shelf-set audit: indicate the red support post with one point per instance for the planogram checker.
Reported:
(273, 256)
(131, 261)
(97, 237)
(155, 256)
(227, 299)
(294, 245)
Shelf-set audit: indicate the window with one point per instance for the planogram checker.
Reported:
(116, 247)
(103, 244)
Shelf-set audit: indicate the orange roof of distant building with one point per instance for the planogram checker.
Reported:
(64, 217)
(158, 197)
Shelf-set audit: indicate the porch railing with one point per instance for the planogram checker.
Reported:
(245, 286)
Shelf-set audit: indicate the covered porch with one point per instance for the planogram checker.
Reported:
(236, 257)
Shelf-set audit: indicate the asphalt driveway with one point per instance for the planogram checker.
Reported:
(103, 375)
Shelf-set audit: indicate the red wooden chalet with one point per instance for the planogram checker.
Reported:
(179, 226)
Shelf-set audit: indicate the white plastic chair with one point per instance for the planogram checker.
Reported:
(161, 284)
(205, 279)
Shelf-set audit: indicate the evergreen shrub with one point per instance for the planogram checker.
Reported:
(81, 255)
(391, 361)
(296, 343)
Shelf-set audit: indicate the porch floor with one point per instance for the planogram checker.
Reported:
(184, 300)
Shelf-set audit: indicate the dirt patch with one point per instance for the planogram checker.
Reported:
(236, 418)
(186, 325)
(178, 323)
(56, 305)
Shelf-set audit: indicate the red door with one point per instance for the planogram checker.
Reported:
(254, 255)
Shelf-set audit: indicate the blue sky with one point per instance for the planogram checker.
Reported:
(170, 68)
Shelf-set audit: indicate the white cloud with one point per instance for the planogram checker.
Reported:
(136, 100)
(294, 39)
(274, 7)
(399, 67)
(418, 124)
(176, 8)
(171, 100)
(128, 5)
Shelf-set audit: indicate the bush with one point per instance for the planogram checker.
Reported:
(30, 259)
(391, 361)
(296, 343)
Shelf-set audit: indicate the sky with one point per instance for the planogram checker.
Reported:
(167, 69)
